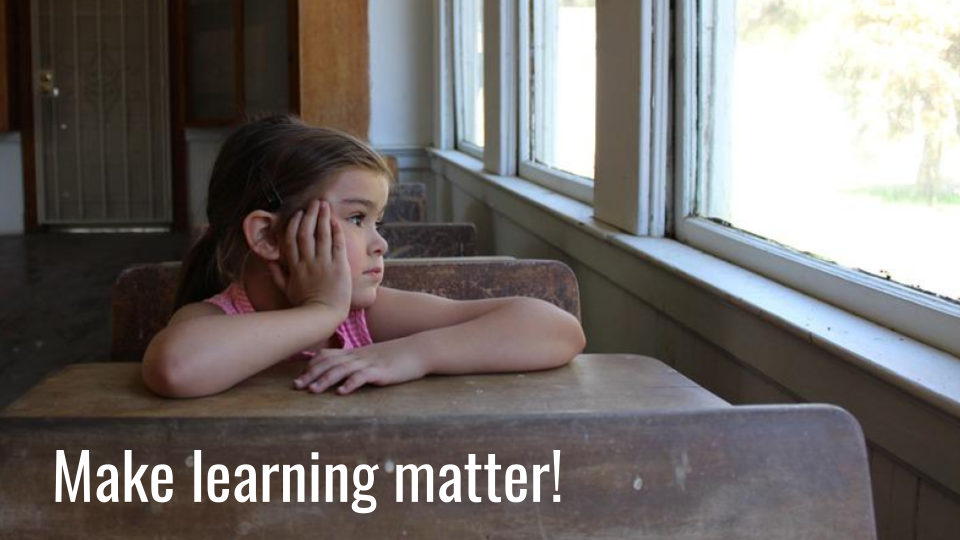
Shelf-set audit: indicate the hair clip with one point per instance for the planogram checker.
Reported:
(274, 200)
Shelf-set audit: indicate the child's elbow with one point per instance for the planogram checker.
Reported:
(568, 334)
(161, 378)
(576, 339)
(581, 340)
(163, 373)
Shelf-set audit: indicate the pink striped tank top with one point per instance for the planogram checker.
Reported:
(351, 334)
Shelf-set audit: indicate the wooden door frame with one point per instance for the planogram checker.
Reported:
(177, 87)
(24, 74)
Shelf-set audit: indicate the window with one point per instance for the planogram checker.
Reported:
(832, 130)
(469, 74)
(810, 141)
(238, 60)
(564, 75)
(558, 94)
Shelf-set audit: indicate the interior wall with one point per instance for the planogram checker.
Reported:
(11, 184)
(203, 145)
(401, 73)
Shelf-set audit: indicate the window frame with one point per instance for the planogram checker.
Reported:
(923, 316)
(632, 184)
(460, 141)
(569, 184)
(632, 166)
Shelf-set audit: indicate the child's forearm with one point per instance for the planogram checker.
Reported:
(524, 335)
(207, 355)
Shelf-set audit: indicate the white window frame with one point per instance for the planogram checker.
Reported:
(922, 316)
(460, 80)
(571, 185)
(444, 128)
(631, 186)
(633, 51)
(500, 86)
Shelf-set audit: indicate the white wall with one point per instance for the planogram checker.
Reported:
(203, 145)
(11, 184)
(401, 73)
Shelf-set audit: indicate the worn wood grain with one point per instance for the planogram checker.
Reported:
(467, 279)
(407, 202)
(335, 64)
(591, 383)
(781, 472)
(417, 240)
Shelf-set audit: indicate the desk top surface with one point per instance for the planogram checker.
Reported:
(592, 383)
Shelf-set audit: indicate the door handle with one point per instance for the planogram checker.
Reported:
(47, 87)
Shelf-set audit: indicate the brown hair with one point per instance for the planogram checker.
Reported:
(270, 164)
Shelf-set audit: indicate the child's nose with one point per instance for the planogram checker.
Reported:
(379, 245)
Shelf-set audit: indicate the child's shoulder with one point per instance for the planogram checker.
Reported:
(195, 311)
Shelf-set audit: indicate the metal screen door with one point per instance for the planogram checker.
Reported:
(102, 111)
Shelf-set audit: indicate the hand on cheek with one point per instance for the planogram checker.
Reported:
(315, 259)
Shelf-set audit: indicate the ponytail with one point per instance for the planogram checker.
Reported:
(199, 275)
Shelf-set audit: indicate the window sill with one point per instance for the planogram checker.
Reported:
(923, 372)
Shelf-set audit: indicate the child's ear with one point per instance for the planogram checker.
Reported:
(258, 228)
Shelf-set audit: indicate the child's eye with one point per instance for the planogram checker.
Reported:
(356, 219)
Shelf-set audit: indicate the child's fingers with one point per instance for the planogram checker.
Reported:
(323, 232)
(279, 279)
(293, 252)
(305, 238)
(336, 374)
(319, 365)
(358, 379)
(337, 242)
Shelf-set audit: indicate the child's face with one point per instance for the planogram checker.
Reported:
(358, 199)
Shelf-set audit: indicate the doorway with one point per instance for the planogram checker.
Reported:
(102, 112)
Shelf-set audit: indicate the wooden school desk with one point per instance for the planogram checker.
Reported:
(643, 452)
(592, 383)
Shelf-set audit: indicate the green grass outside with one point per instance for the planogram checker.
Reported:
(910, 194)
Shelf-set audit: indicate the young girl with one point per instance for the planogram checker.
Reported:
(290, 267)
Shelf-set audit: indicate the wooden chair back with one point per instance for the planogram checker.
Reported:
(417, 240)
(143, 296)
(407, 203)
(408, 239)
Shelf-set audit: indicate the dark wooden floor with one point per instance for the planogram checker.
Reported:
(55, 298)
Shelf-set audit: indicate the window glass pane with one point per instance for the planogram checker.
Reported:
(834, 130)
(470, 92)
(564, 85)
